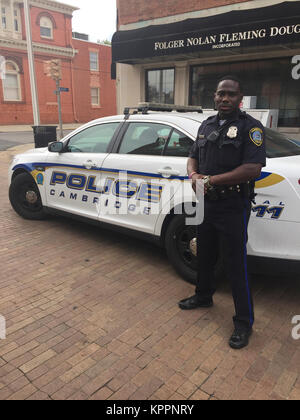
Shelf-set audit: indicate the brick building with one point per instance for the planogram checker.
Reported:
(85, 66)
(175, 51)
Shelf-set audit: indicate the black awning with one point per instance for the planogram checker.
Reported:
(278, 24)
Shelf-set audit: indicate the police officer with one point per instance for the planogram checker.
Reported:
(228, 156)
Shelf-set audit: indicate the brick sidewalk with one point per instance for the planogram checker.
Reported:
(93, 315)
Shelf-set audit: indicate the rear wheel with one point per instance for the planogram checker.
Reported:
(25, 197)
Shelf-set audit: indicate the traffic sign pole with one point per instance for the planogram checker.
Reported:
(59, 109)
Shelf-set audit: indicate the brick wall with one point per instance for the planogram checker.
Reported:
(76, 75)
(84, 80)
(138, 10)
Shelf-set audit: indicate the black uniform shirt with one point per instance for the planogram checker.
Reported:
(222, 148)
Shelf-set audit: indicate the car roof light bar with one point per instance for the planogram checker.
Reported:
(145, 107)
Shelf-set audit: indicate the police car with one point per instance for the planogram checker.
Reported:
(129, 172)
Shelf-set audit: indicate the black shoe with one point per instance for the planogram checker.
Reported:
(240, 339)
(194, 302)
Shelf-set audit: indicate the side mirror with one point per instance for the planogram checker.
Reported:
(56, 147)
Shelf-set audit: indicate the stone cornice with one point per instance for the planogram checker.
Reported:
(38, 48)
(54, 6)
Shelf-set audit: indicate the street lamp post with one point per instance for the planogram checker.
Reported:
(33, 85)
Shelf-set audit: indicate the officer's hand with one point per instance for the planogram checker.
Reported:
(194, 180)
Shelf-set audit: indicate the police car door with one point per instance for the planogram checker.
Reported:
(73, 177)
(138, 179)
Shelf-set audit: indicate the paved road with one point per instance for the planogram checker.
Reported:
(8, 140)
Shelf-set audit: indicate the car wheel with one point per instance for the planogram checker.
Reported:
(25, 197)
(182, 249)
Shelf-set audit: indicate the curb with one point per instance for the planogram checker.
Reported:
(28, 128)
(9, 153)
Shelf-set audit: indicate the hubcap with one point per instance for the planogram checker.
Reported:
(193, 246)
(184, 238)
(31, 197)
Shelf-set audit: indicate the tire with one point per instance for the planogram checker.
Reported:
(177, 244)
(25, 198)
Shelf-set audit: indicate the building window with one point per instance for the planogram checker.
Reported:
(94, 62)
(95, 96)
(11, 82)
(269, 80)
(160, 86)
(3, 17)
(17, 20)
(46, 28)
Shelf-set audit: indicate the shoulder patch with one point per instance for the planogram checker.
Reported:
(256, 136)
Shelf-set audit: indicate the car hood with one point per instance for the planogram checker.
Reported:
(40, 150)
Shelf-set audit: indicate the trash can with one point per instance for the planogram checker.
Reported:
(44, 134)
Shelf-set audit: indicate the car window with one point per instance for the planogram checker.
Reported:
(93, 139)
(278, 145)
(179, 145)
(145, 139)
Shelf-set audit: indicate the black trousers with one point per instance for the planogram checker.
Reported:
(226, 221)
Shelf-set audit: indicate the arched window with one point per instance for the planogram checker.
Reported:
(46, 27)
(11, 82)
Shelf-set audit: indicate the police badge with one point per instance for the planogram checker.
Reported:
(232, 132)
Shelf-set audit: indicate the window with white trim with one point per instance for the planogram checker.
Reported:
(46, 28)
(17, 20)
(160, 86)
(3, 18)
(94, 61)
(11, 82)
(95, 96)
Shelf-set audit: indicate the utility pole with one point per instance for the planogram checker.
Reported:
(33, 85)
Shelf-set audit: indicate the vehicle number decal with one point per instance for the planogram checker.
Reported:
(264, 209)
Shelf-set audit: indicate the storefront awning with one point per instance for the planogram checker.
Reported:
(267, 26)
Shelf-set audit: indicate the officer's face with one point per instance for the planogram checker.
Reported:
(228, 97)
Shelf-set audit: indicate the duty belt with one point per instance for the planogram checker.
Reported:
(222, 192)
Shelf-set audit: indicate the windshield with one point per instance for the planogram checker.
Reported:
(278, 145)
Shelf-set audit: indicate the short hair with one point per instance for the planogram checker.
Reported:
(234, 79)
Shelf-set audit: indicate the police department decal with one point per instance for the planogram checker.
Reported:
(256, 135)
(40, 179)
(232, 132)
